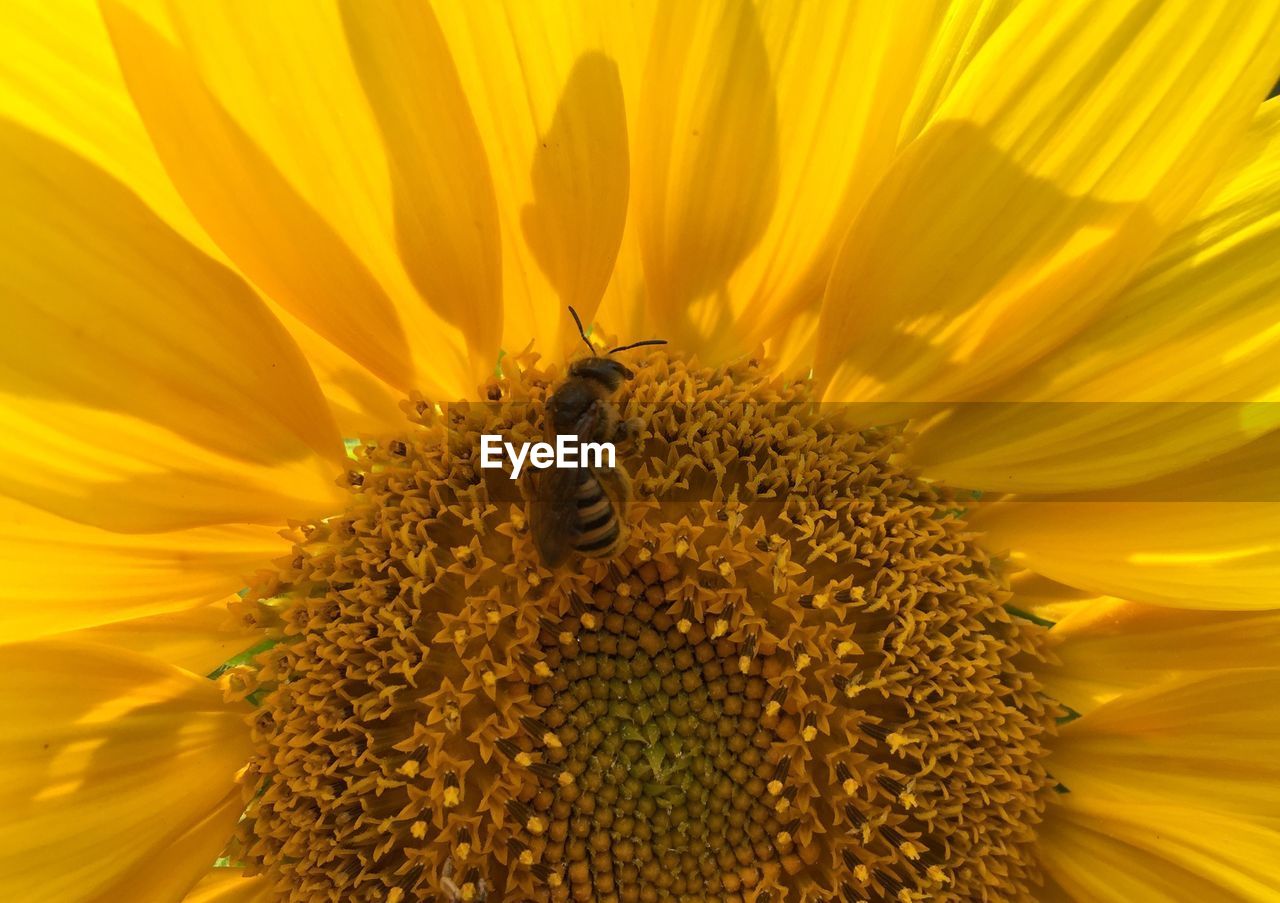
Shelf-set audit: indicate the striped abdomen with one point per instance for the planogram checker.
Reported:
(599, 533)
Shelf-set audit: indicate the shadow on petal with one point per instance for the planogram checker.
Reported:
(953, 272)
(706, 165)
(446, 217)
(580, 185)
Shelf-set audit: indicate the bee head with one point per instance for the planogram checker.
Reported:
(605, 370)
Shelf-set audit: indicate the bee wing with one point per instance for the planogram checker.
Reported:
(554, 513)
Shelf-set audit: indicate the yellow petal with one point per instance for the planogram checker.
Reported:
(706, 163)
(1173, 792)
(1053, 168)
(124, 473)
(547, 98)
(92, 277)
(1208, 537)
(1108, 854)
(1186, 554)
(1199, 326)
(156, 881)
(286, 74)
(1110, 646)
(759, 133)
(60, 78)
(445, 217)
(62, 576)
(126, 344)
(1048, 599)
(197, 639)
(362, 404)
(112, 760)
(1205, 740)
(244, 198)
(229, 885)
(965, 27)
(1051, 891)
(843, 75)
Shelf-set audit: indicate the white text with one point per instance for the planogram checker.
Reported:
(567, 452)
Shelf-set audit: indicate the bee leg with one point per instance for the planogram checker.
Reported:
(628, 430)
(447, 883)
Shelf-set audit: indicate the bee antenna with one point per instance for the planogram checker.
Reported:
(638, 345)
(582, 332)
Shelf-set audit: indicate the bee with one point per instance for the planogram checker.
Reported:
(580, 509)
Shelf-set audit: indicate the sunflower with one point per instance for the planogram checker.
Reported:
(950, 568)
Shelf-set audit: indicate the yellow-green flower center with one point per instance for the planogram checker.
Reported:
(796, 681)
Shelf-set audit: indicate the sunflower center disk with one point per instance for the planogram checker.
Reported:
(795, 681)
(660, 782)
